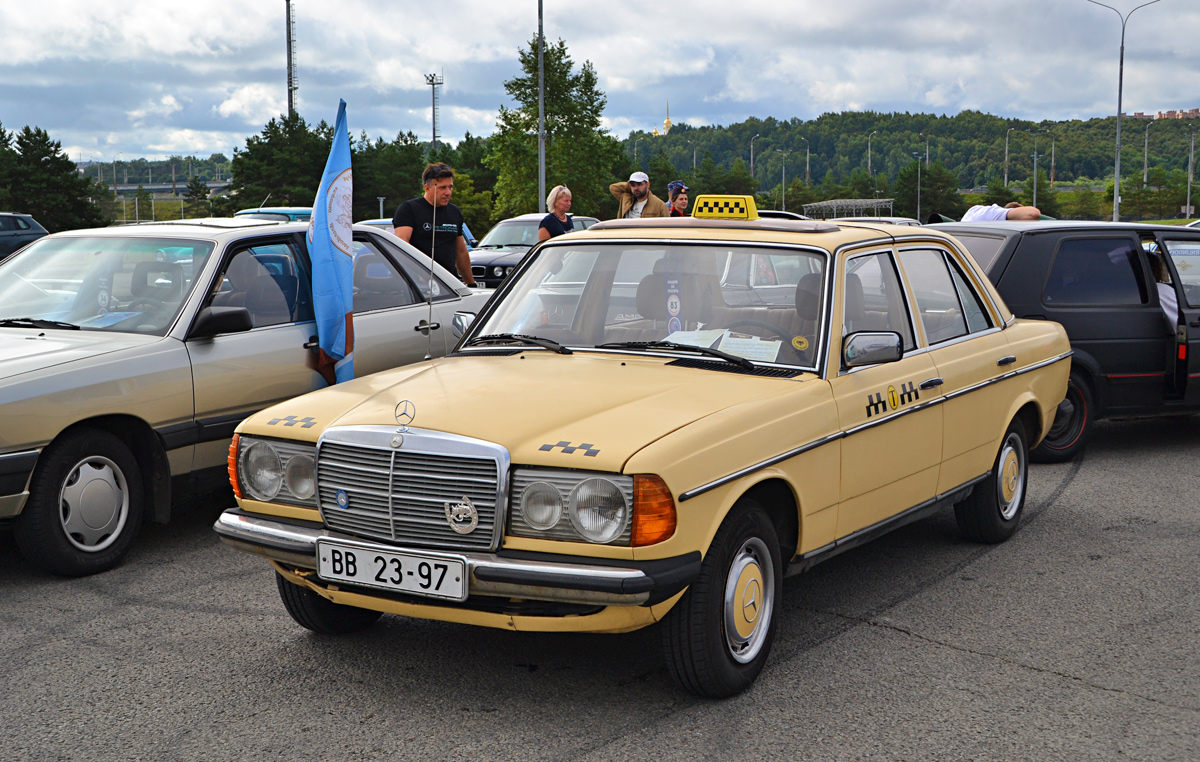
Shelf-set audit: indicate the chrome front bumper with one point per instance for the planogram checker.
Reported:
(531, 576)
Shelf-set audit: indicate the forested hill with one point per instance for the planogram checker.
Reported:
(970, 144)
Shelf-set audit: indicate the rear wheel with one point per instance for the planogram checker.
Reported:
(1072, 425)
(993, 509)
(85, 505)
(717, 637)
(320, 614)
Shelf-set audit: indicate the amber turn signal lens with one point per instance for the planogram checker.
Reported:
(233, 477)
(653, 510)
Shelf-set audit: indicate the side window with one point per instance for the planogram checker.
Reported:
(378, 285)
(874, 300)
(21, 223)
(6, 224)
(1185, 255)
(936, 296)
(1096, 271)
(266, 280)
(972, 302)
(417, 271)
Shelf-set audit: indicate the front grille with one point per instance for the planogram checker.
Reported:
(399, 495)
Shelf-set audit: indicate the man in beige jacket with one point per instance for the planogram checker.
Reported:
(636, 200)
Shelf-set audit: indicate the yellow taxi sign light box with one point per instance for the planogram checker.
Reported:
(718, 207)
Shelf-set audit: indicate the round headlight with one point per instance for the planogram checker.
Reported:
(541, 505)
(300, 475)
(598, 510)
(261, 471)
(498, 272)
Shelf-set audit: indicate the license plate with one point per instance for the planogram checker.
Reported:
(432, 575)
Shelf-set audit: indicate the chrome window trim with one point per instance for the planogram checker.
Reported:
(891, 252)
(957, 296)
(963, 257)
(688, 495)
(426, 441)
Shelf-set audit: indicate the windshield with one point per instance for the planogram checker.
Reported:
(522, 232)
(102, 283)
(758, 303)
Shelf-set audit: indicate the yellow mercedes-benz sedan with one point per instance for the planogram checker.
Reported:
(652, 421)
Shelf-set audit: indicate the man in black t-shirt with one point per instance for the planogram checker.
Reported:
(415, 220)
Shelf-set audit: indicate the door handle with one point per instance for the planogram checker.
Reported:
(931, 383)
(1006, 360)
(312, 343)
(423, 326)
(1195, 324)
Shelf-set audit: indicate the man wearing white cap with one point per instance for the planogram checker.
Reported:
(636, 200)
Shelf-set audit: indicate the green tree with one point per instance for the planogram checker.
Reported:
(391, 170)
(661, 172)
(939, 192)
(1083, 204)
(997, 193)
(476, 205)
(44, 182)
(282, 165)
(1047, 197)
(579, 152)
(196, 196)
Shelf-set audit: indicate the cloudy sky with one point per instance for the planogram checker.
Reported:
(156, 78)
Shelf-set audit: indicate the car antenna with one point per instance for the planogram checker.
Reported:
(429, 288)
(260, 206)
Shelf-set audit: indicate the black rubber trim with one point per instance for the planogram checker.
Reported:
(15, 470)
(665, 577)
(197, 432)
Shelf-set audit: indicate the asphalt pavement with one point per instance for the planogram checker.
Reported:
(1076, 640)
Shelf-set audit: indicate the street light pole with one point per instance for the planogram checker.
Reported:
(1120, 84)
(1146, 157)
(807, 177)
(118, 153)
(869, 172)
(381, 198)
(542, 115)
(1006, 134)
(635, 145)
(783, 178)
(752, 155)
(693, 145)
(917, 156)
(1191, 171)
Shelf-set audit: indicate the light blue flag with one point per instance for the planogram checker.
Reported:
(331, 248)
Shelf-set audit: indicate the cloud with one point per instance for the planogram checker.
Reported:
(164, 107)
(254, 104)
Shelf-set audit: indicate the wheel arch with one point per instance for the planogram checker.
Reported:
(1091, 372)
(778, 498)
(147, 449)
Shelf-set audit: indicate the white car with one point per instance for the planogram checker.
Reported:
(128, 355)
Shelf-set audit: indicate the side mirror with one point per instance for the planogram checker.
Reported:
(461, 322)
(213, 320)
(871, 348)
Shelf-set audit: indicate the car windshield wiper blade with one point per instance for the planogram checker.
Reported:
(27, 322)
(520, 338)
(741, 362)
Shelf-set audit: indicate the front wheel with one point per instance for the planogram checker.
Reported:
(320, 614)
(85, 505)
(1072, 425)
(993, 509)
(717, 637)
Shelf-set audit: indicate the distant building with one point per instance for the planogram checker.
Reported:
(1180, 114)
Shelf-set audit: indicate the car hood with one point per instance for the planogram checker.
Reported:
(584, 410)
(25, 350)
(506, 255)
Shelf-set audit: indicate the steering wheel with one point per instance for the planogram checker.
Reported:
(153, 304)
(775, 331)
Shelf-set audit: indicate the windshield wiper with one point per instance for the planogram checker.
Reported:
(741, 362)
(27, 322)
(520, 338)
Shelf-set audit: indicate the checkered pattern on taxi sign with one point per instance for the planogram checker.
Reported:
(725, 208)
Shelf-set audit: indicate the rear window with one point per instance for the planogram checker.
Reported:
(984, 248)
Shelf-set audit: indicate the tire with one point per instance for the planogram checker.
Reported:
(993, 509)
(320, 615)
(1072, 425)
(717, 637)
(85, 505)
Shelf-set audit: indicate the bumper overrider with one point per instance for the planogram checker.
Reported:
(502, 574)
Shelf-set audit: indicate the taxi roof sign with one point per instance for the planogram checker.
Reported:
(720, 207)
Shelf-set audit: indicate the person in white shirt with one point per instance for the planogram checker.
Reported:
(994, 212)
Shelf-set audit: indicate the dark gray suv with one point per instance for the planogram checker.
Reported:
(16, 230)
(1129, 297)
